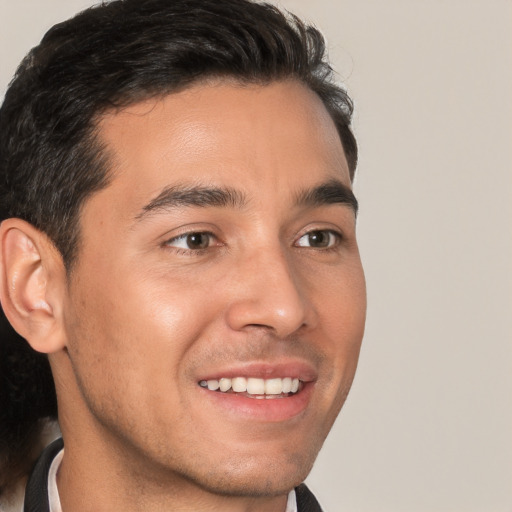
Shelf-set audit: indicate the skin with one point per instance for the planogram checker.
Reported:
(143, 316)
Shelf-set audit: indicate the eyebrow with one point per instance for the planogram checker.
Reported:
(179, 196)
(330, 192)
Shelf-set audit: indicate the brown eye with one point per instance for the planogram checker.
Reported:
(191, 241)
(321, 239)
(198, 240)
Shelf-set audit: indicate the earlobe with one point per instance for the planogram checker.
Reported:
(31, 283)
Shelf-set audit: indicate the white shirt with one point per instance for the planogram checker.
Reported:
(53, 492)
(54, 499)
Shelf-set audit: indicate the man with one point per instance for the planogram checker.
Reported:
(178, 239)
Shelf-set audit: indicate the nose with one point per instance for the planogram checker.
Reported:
(269, 293)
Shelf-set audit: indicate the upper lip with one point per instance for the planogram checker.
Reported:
(294, 368)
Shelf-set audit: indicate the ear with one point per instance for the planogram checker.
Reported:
(32, 285)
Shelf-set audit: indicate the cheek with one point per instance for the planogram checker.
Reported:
(130, 342)
(340, 302)
(131, 333)
(342, 314)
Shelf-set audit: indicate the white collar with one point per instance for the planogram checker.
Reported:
(291, 505)
(53, 492)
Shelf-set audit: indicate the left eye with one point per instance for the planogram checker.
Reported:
(191, 241)
(321, 239)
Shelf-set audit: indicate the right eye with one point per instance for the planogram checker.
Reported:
(195, 241)
(319, 239)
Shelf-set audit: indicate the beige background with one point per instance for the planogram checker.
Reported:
(428, 425)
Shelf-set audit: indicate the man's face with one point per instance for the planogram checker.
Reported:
(222, 253)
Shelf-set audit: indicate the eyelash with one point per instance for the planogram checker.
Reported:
(189, 251)
(335, 239)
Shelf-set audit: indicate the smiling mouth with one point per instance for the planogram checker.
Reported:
(254, 387)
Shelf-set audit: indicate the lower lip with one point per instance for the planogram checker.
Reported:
(266, 409)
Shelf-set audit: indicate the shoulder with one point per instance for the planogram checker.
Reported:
(12, 496)
(36, 494)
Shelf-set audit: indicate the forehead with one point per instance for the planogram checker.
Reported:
(257, 137)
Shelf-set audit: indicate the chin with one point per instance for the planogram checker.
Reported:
(252, 487)
(258, 478)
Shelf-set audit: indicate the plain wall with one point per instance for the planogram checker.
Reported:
(428, 424)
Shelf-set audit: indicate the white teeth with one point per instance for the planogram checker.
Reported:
(225, 384)
(213, 385)
(253, 385)
(239, 384)
(273, 386)
(287, 385)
